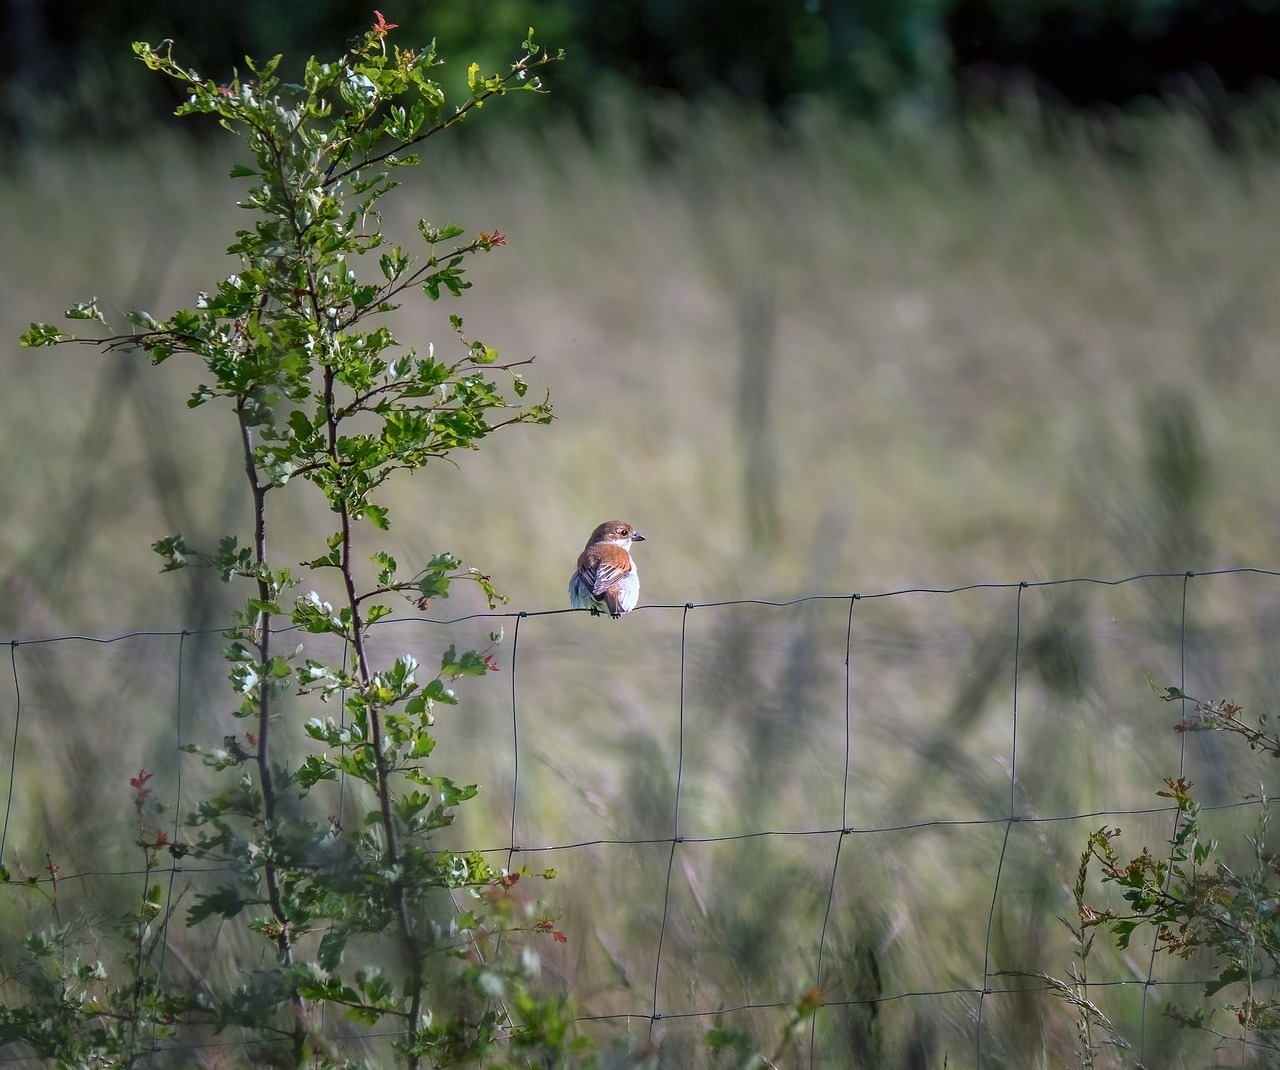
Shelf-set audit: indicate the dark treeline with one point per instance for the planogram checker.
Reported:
(868, 56)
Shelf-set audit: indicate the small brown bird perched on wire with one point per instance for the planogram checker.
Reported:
(606, 579)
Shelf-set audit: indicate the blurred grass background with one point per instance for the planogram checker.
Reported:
(846, 356)
(830, 357)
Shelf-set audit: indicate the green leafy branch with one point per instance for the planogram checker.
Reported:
(1191, 899)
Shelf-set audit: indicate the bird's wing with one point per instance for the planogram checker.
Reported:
(603, 565)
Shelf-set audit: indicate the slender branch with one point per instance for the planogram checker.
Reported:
(359, 402)
(459, 114)
(138, 339)
(139, 945)
(406, 585)
(395, 288)
(262, 642)
(399, 893)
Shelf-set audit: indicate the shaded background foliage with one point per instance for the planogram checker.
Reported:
(868, 55)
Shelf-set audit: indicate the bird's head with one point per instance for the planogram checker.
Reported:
(618, 532)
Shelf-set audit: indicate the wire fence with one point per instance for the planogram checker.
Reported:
(880, 796)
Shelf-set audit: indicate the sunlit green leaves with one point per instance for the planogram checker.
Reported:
(450, 277)
(436, 577)
(386, 568)
(469, 663)
(393, 263)
(42, 334)
(312, 614)
(481, 85)
(174, 550)
(433, 235)
(85, 310)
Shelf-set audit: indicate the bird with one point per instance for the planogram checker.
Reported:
(606, 577)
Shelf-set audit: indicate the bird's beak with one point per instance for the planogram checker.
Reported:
(637, 537)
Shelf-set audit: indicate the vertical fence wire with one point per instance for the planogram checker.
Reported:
(512, 848)
(676, 838)
(515, 742)
(985, 989)
(175, 866)
(844, 831)
(13, 747)
(1148, 986)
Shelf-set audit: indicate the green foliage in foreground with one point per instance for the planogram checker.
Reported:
(321, 396)
(1194, 900)
(1193, 903)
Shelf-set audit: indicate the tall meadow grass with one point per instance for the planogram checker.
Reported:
(828, 359)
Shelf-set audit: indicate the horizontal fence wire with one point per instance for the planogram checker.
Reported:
(162, 673)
